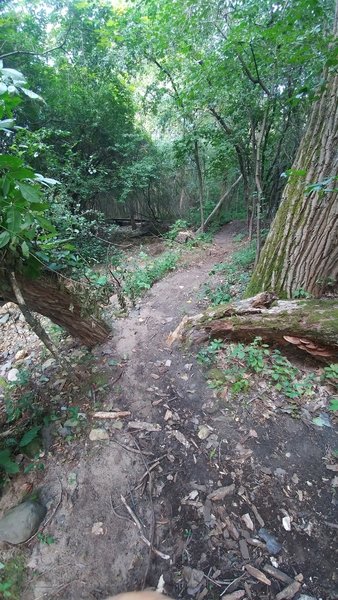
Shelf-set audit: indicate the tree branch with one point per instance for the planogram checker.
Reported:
(255, 80)
(31, 53)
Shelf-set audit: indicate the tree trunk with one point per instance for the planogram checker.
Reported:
(219, 205)
(309, 325)
(47, 297)
(301, 251)
(200, 184)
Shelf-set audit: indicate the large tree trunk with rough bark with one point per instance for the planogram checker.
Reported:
(307, 325)
(48, 297)
(301, 251)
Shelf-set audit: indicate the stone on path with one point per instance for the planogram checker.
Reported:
(21, 522)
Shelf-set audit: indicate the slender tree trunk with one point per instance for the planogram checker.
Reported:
(259, 140)
(200, 183)
(46, 297)
(301, 251)
(219, 204)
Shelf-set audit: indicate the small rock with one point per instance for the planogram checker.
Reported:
(21, 522)
(97, 435)
(97, 528)
(168, 415)
(272, 544)
(20, 354)
(221, 493)
(64, 431)
(286, 523)
(167, 363)
(4, 318)
(13, 375)
(194, 579)
(280, 473)
(204, 432)
(306, 597)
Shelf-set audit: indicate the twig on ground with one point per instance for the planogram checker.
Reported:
(112, 415)
(134, 450)
(142, 536)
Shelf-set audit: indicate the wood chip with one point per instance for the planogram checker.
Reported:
(231, 528)
(181, 438)
(235, 595)
(277, 574)
(221, 493)
(243, 546)
(289, 592)
(248, 521)
(144, 425)
(112, 415)
(257, 574)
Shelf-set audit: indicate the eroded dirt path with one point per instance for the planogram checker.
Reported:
(275, 466)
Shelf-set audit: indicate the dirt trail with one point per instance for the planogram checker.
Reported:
(98, 550)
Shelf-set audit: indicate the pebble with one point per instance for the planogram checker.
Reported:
(20, 354)
(4, 318)
(194, 579)
(13, 375)
(97, 435)
(21, 522)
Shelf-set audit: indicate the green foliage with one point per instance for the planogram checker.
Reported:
(252, 355)
(136, 282)
(235, 275)
(12, 577)
(207, 355)
(175, 228)
(331, 374)
(46, 538)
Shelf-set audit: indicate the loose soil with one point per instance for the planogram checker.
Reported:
(278, 465)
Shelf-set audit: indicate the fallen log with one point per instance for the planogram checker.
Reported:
(309, 325)
(47, 297)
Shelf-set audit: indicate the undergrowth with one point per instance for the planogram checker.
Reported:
(239, 363)
(235, 275)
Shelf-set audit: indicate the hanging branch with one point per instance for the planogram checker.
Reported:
(255, 80)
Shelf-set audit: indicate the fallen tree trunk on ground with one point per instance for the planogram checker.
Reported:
(309, 325)
(218, 207)
(48, 297)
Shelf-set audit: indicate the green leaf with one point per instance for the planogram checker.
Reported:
(4, 238)
(334, 404)
(29, 192)
(25, 249)
(6, 160)
(7, 464)
(29, 436)
(44, 223)
(13, 219)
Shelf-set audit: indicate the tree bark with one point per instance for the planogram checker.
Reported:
(309, 325)
(47, 297)
(301, 251)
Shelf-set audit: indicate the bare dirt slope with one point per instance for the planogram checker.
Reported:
(272, 467)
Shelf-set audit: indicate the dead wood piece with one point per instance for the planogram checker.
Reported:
(257, 574)
(235, 595)
(309, 325)
(112, 415)
(289, 592)
(221, 493)
(277, 574)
